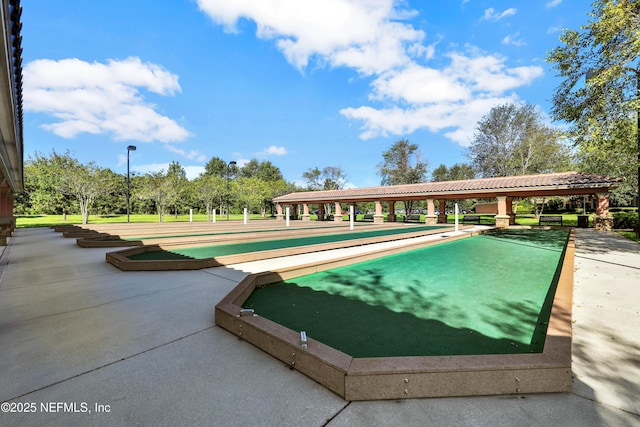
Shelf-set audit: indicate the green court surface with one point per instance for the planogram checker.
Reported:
(221, 233)
(489, 294)
(265, 245)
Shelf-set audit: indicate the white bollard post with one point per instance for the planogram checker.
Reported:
(190, 215)
(214, 216)
(351, 217)
(246, 216)
(287, 216)
(456, 217)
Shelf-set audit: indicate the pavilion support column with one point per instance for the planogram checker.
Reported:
(7, 220)
(378, 218)
(392, 212)
(279, 214)
(431, 218)
(337, 217)
(603, 221)
(512, 215)
(442, 216)
(321, 212)
(503, 218)
(305, 212)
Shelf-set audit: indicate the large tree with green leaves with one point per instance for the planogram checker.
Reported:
(457, 172)
(264, 171)
(210, 190)
(216, 167)
(53, 182)
(85, 183)
(512, 139)
(329, 178)
(42, 183)
(177, 177)
(402, 164)
(600, 91)
(158, 187)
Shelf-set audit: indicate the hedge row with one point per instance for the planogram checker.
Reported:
(623, 220)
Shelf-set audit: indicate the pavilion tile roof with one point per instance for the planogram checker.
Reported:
(566, 182)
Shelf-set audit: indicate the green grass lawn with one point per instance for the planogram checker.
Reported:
(28, 221)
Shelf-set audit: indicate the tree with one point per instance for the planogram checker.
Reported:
(512, 140)
(457, 172)
(160, 188)
(600, 90)
(83, 182)
(397, 168)
(52, 184)
(329, 178)
(313, 179)
(210, 189)
(264, 171)
(252, 193)
(276, 189)
(177, 177)
(42, 183)
(402, 165)
(113, 201)
(216, 167)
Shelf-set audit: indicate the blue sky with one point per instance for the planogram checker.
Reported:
(300, 83)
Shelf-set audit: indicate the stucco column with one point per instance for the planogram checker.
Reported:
(442, 216)
(503, 218)
(431, 218)
(279, 214)
(378, 218)
(510, 212)
(337, 217)
(305, 212)
(392, 212)
(7, 220)
(603, 221)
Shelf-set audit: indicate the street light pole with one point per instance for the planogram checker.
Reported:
(129, 150)
(231, 163)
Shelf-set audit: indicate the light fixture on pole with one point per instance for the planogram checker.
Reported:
(231, 163)
(129, 149)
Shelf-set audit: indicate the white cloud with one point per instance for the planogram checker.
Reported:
(368, 35)
(553, 3)
(514, 40)
(275, 151)
(377, 40)
(553, 30)
(98, 98)
(191, 154)
(456, 119)
(491, 14)
(450, 100)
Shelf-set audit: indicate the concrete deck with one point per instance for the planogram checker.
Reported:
(77, 333)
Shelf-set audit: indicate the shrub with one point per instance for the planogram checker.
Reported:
(622, 220)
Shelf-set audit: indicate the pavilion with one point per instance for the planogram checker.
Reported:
(503, 189)
(11, 134)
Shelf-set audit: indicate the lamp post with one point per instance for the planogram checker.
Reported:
(129, 150)
(231, 163)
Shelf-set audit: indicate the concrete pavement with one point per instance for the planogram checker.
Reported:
(83, 343)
